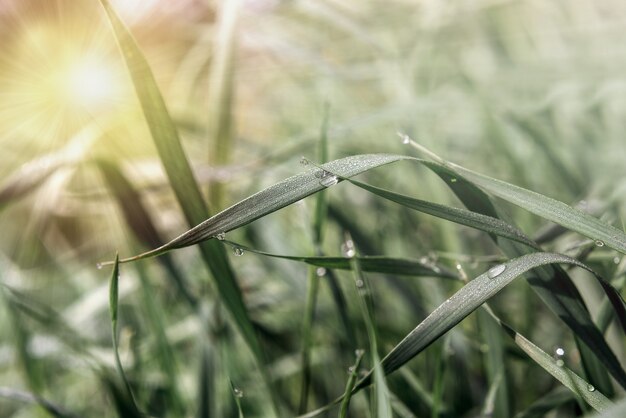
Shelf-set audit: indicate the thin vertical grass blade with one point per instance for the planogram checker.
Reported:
(113, 310)
(221, 92)
(381, 392)
(181, 178)
(352, 379)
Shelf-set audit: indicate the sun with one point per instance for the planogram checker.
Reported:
(89, 84)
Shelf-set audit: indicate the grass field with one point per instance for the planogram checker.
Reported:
(258, 208)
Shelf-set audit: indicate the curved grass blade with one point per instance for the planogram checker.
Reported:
(274, 198)
(550, 209)
(184, 185)
(464, 302)
(113, 304)
(577, 385)
(372, 264)
(461, 216)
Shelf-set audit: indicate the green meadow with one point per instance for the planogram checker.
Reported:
(294, 208)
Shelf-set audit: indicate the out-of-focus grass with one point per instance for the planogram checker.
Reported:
(527, 92)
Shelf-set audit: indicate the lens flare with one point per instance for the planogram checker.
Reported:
(89, 84)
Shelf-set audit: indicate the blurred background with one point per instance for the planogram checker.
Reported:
(530, 92)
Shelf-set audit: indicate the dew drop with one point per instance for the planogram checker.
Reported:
(559, 354)
(320, 272)
(359, 352)
(459, 266)
(453, 180)
(347, 249)
(237, 251)
(360, 284)
(221, 236)
(329, 180)
(591, 388)
(238, 392)
(351, 369)
(599, 243)
(99, 266)
(304, 161)
(616, 260)
(406, 140)
(495, 271)
(321, 174)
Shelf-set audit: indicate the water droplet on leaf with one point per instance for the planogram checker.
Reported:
(347, 249)
(359, 352)
(221, 236)
(351, 369)
(599, 243)
(329, 180)
(320, 272)
(360, 284)
(237, 251)
(304, 161)
(495, 271)
(99, 266)
(616, 260)
(238, 392)
(591, 388)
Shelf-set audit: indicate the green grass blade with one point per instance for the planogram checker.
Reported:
(183, 183)
(274, 198)
(352, 379)
(382, 404)
(559, 371)
(550, 209)
(461, 216)
(371, 263)
(237, 394)
(616, 411)
(221, 92)
(113, 305)
(464, 302)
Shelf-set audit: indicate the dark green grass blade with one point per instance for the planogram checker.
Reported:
(462, 303)
(550, 209)
(551, 283)
(372, 264)
(460, 216)
(274, 198)
(124, 405)
(183, 182)
(113, 305)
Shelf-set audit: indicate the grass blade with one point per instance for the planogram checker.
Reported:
(113, 305)
(460, 216)
(274, 198)
(462, 303)
(550, 209)
(183, 183)
(371, 263)
(352, 379)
